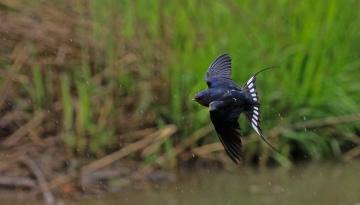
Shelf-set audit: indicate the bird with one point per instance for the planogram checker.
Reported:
(226, 101)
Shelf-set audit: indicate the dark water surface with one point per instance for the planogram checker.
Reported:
(324, 184)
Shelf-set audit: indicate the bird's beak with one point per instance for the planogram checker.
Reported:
(193, 99)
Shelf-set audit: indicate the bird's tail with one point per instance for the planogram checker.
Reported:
(253, 114)
(250, 87)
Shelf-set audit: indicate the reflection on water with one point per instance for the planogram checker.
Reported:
(325, 184)
(315, 184)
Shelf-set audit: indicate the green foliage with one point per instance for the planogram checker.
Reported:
(68, 112)
(154, 54)
(315, 45)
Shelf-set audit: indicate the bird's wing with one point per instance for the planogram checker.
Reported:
(228, 131)
(220, 69)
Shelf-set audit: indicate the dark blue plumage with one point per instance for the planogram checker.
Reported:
(226, 101)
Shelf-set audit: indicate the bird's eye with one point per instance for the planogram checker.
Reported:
(199, 96)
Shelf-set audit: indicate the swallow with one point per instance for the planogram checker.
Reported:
(226, 101)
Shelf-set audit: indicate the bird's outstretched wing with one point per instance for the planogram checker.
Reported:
(219, 70)
(228, 131)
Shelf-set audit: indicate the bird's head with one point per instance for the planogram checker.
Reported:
(203, 98)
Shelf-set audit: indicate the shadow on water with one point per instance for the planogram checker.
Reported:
(313, 184)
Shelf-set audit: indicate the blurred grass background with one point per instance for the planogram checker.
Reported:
(102, 68)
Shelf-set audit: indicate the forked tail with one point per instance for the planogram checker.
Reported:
(253, 114)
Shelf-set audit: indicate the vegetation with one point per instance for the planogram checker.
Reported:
(102, 74)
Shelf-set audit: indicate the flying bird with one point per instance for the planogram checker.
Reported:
(226, 101)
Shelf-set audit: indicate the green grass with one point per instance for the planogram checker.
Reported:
(155, 54)
(314, 44)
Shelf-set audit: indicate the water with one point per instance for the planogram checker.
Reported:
(321, 184)
(325, 184)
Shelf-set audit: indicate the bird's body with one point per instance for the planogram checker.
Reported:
(225, 93)
(226, 101)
